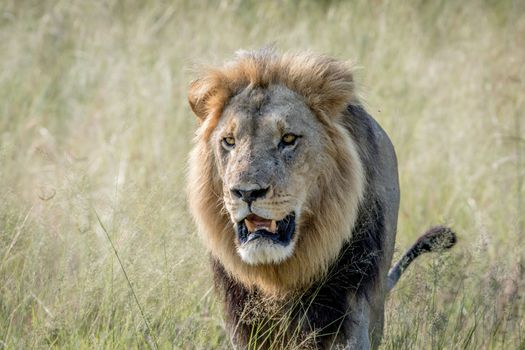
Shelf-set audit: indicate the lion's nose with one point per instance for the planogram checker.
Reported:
(249, 195)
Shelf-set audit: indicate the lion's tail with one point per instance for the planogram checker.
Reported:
(436, 239)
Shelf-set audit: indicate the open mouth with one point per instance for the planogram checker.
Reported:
(254, 227)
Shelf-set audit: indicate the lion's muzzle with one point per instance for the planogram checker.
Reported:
(265, 241)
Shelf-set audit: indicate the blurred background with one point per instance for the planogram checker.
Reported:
(95, 130)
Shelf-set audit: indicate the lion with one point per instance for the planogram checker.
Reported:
(294, 189)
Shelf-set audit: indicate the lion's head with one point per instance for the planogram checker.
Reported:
(274, 179)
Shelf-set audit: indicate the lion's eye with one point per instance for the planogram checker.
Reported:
(288, 139)
(228, 142)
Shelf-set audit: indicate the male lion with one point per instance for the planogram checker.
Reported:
(294, 188)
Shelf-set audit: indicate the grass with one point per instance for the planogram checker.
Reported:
(95, 130)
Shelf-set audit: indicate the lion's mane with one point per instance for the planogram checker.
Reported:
(327, 87)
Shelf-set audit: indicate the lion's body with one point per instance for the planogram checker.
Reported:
(356, 281)
(301, 233)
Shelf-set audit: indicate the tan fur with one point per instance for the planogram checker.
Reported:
(325, 86)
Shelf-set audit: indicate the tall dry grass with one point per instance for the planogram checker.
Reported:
(95, 129)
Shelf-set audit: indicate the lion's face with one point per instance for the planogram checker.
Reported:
(275, 179)
(267, 146)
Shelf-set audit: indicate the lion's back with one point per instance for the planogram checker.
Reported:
(379, 157)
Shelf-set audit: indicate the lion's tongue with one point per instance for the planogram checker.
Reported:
(255, 223)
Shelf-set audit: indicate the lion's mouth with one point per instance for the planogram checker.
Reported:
(254, 227)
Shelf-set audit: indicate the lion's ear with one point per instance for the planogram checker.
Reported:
(198, 95)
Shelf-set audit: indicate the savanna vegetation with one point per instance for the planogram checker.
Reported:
(97, 249)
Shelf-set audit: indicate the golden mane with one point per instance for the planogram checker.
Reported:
(327, 87)
(326, 84)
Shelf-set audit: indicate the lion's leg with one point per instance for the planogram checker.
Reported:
(376, 299)
(376, 327)
(358, 325)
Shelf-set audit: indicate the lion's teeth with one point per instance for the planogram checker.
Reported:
(273, 226)
(255, 225)
(249, 225)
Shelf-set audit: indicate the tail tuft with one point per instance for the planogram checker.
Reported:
(436, 239)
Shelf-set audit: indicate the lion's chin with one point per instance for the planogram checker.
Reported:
(264, 241)
(264, 251)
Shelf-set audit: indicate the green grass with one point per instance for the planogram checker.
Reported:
(95, 131)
